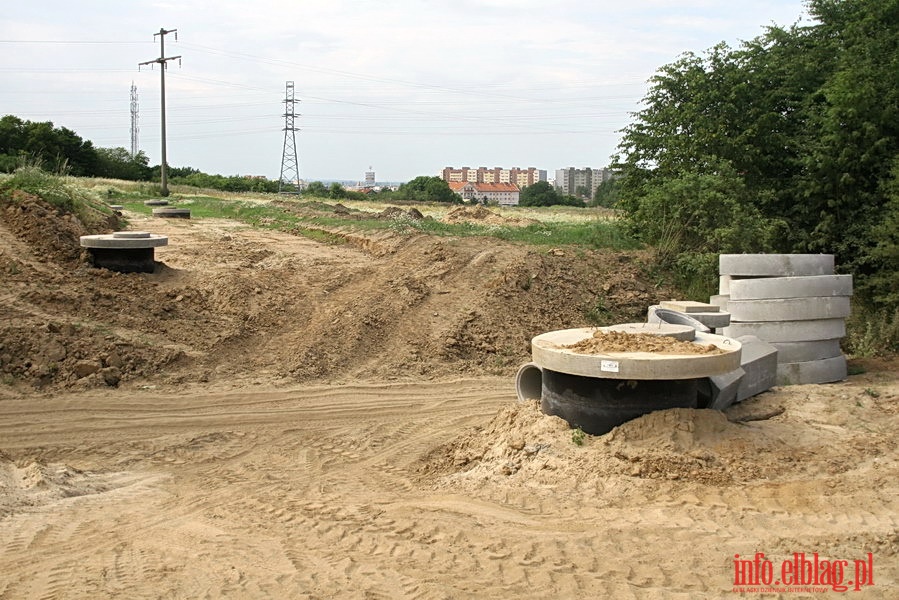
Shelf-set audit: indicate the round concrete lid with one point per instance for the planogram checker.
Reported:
(549, 352)
(131, 234)
(108, 240)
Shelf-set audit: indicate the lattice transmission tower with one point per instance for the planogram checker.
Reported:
(135, 127)
(289, 181)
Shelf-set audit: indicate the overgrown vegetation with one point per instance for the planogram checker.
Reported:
(789, 143)
(58, 190)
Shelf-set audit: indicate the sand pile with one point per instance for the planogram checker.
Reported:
(31, 483)
(522, 446)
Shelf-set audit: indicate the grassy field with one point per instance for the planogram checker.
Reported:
(551, 226)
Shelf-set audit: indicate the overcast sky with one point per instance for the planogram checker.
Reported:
(405, 87)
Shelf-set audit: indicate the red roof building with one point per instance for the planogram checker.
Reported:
(504, 194)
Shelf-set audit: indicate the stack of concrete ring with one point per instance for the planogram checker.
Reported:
(796, 303)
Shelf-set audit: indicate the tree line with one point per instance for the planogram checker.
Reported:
(58, 149)
(787, 143)
(61, 150)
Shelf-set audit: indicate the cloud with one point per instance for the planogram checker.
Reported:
(418, 84)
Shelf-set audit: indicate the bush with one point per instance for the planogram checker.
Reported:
(66, 196)
(700, 214)
(52, 188)
(872, 332)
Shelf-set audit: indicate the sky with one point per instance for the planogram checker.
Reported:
(405, 88)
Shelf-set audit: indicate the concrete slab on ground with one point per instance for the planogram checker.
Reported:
(121, 240)
(687, 306)
(790, 352)
(553, 350)
(815, 371)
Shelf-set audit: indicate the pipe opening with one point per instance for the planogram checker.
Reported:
(529, 382)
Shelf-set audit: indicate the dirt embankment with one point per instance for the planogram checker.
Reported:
(230, 303)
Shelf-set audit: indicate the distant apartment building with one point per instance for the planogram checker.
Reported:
(504, 194)
(571, 180)
(520, 177)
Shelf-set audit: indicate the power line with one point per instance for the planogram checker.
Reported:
(163, 65)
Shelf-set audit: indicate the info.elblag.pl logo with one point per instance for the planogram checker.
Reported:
(802, 573)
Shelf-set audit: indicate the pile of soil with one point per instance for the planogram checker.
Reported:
(228, 303)
(603, 342)
(483, 215)
(396, 213)
(521, 446)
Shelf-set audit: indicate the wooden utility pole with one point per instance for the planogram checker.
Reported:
(162, 60)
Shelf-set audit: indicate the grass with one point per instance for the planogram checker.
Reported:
(578, 436)
(587, 229)
(67, 194)
(551, 226)
(252, 213)
(599, 314)
(872, 332)
(591, 234)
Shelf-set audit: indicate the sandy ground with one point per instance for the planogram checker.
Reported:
(328, 440)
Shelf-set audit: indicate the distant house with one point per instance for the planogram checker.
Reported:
(504, 194)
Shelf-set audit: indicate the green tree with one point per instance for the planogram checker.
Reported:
(316, 189)
(336, 191)
(852, 157)
(117, 163)
(882, 287)
(606, 193)
(427, 189)
(56, 149)
(702, 213)
(540, 193)
(806, 118)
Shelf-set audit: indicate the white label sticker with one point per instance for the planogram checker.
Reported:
(609, 365)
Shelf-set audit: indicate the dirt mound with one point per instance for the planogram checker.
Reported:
(481, 214)
(394, 213)
(53, 234)
(229, 303)
(34, 483)
(522, 446)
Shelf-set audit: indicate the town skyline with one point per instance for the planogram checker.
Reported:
(407, 89)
